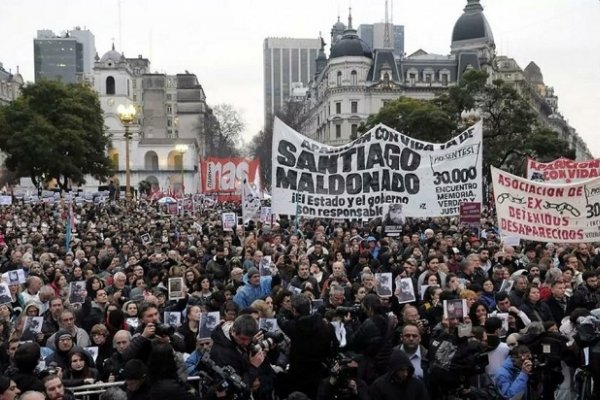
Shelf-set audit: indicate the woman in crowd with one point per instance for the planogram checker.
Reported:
(533, 307)
(189, 329)
(80, 369)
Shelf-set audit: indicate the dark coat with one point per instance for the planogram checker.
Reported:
(189, 337)
(556, 309)
(312, 342)
(170, 389)
(226, 352)
(536, 312)
(388, 387)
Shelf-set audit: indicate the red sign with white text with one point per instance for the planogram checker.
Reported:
(562, 170)
(222, 177)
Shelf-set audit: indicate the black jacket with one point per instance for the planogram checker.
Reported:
(169, 389)
(313, 341)
(556, 309)
(188, 336)
(226, 352)
(536, 312)
(388, 387)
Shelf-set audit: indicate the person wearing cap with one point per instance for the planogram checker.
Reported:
(8, 389)
(63, 344)
(136, 384)
(255, 287)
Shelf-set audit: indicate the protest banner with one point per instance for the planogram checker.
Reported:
(222, 177)
(265, 215)
(250, 202)
(566, 213)
(562, 170)
(470, 214)
(353, 181)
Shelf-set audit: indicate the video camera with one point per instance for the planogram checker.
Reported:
(343, 372)
(222, 379)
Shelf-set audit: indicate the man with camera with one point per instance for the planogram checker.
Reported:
(150, 330)
(234, 348)
(513, 377)
(313, 341)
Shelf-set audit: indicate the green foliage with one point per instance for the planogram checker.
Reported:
(423, 119)
(55, 131)
(511, 131)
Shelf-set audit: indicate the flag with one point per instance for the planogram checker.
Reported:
(250, 202)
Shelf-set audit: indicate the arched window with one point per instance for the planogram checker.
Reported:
(386, 78)
(354, 78)
(174, 161)
(339, 78)
(113, 155)
(151, 161)
(110, 85)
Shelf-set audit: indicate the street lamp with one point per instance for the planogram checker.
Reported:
(182, 148)
(127, 116)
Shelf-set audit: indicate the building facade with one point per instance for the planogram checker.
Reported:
(357, 80)
(171, 111)
(68, 57)
(285, 62)
(10, 85)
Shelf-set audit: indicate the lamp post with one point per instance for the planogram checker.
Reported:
(127, 116)
(182, 148)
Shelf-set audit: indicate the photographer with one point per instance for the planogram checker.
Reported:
(343, 383)
(513, 377)
(313, 341)
(150, 330)
(373, 339)
(232, 348)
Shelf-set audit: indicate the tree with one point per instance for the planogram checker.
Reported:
(225, 131)
(420, 119)
(55, 131)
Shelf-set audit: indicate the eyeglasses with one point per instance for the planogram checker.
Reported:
(411, 335)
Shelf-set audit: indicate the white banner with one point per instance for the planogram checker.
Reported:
(568, 213)
(5, 200)
(229, 221)
(250, 202)
(382, 166)
(562, 170)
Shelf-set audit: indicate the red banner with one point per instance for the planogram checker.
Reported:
(222, 177)
(470, 214)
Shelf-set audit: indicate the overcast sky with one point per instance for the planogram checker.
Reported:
(221, 40)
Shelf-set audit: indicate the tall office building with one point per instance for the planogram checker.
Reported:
(88, 41)
(68, 57)
(286, 61)
(374, 36)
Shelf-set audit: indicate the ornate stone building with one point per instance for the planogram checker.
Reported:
(356, 81)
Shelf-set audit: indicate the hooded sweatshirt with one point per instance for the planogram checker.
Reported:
(389, 387)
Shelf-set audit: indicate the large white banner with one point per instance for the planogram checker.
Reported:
(562, 170)
(567, 213)
(353, 181)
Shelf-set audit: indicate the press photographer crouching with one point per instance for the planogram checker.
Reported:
(233, 348)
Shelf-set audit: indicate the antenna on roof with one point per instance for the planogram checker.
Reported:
(386, 35)
(350, 17)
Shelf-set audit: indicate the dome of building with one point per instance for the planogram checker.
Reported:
(472, 25)
(111, 55)
(351, 45)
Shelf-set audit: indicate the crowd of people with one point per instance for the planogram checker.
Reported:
(303, 312)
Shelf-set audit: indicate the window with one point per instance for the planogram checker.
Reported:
(386, 78)
(338, 131)
(110, 85)
(169, 122)
(445, 79)
(338, 108)
(169, 97)
(412, 78)
(354, 107)
(354, 130)
(151, 161)
(339, 78)
(169, 109)
(428, 79)
(354, 77)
